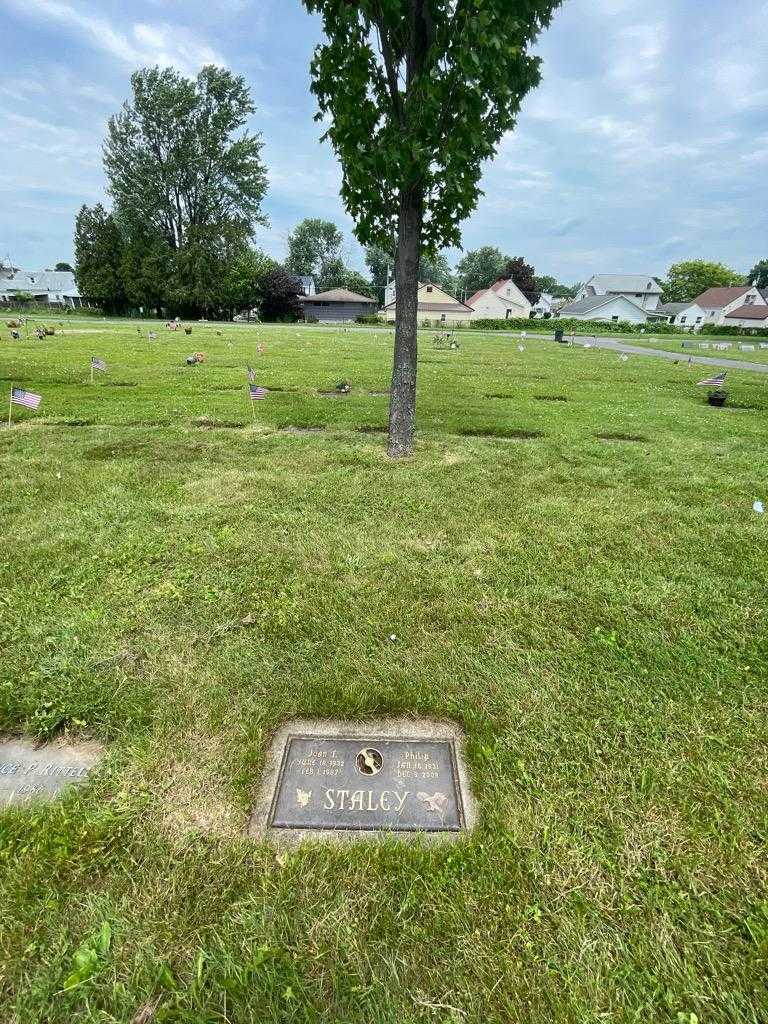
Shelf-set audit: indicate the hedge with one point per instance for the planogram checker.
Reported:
(731, 330)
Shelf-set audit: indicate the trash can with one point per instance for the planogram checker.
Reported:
(559, 335)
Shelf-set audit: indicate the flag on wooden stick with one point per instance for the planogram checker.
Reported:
(21, 397)
(97, 364)
(27, 398)
(257, 393)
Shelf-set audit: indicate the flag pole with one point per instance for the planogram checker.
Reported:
(10, 405)
(91, 369)
(253, 411)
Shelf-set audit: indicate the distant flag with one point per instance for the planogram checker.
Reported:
(251, 375)
(27, 398)
(624, 357)
(713, 382)
(521, 348)
(260, 349)
(97, 364)
(257, 393)
(152, 335)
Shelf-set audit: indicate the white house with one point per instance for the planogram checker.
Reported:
(687, 315)
(544, 305)
(51, 287)
(502, 301)
(435, 305)
(718, 303)
(642, 289)
(749, 315)
(605, 307)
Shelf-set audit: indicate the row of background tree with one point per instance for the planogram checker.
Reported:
(121, 269)
(186, 179)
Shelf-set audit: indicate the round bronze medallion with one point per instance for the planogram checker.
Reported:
(369, 761)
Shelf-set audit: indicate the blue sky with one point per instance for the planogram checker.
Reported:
(646, 143)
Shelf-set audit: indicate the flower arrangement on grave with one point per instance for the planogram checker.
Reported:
(343, 387)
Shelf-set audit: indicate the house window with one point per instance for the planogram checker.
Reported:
(615, 319)
(429, 287)
(698, 319)
(683, 319)
(749, 300)
(442, 316)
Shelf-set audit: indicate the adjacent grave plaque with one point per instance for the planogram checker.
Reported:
(387, 780)
(29, 773)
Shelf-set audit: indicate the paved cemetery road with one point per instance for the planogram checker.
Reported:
(637, 350)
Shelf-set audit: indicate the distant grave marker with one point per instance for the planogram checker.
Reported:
(347, 780)
(31, 773)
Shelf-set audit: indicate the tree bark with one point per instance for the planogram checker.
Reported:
(402, 401)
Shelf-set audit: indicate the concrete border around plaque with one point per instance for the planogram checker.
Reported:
(395, 778)
(31, 772)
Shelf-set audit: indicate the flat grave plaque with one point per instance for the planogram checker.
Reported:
(368, 782)
(31, 773)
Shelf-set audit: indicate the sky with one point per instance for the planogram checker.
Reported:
(646, 143)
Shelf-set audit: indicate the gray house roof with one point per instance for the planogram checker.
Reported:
(673, 308)
(591, 303)
(40, 281)
(337, 295)
(625, 283)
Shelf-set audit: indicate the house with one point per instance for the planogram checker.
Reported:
(47, 287)
(688, 315)
(605, 307)
(502, 301)
(718, 303)
(337, 306)
(544, 305)
(643, 289)
(435, 305)
(749, 315)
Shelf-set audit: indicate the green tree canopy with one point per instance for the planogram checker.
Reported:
(312, 245)
(550, 285)
(98, 258)
(279, 295)
(689, 278)
(381, 264)
(758, 275)
(479, 268)
(524, 276)
(174, 161)
(64, 267)
(419, 94)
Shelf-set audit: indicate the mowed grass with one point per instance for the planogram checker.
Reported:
(572, 570)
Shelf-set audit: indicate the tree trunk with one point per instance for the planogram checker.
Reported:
(402, 401)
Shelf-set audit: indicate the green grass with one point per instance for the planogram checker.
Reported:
(591, 610)
(693, 346)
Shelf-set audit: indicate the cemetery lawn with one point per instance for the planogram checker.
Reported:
(570, 568)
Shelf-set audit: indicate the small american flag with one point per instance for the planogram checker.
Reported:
(257, 393)
(713, 382)
(251, 375)
(28, 398)
(98, 364)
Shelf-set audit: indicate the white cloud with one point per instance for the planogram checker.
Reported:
(143, 45)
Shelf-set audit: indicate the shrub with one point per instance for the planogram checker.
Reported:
(368, 318)
(734, 331)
